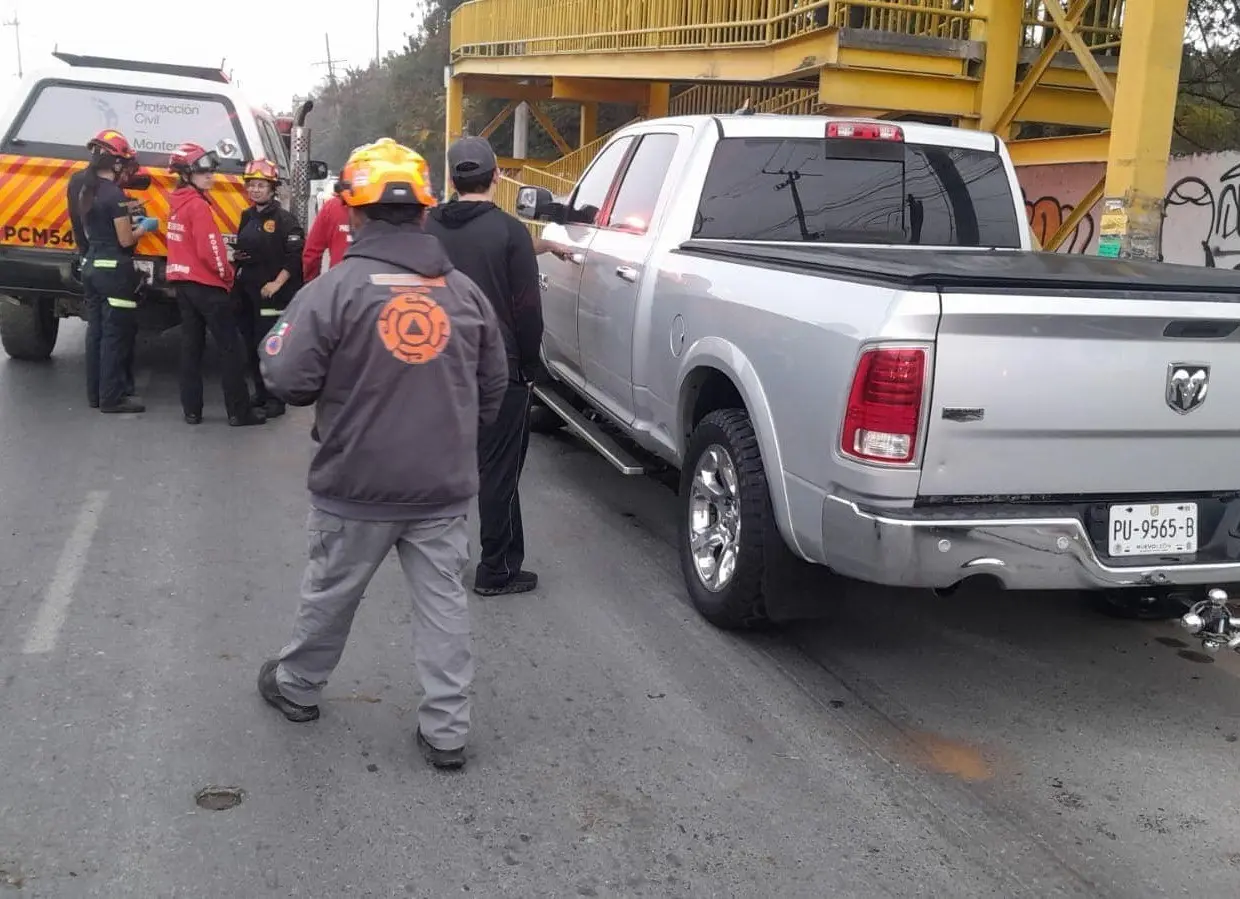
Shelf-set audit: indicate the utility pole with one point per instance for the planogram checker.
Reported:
(329, 62)
(376, 34)
(17, 36)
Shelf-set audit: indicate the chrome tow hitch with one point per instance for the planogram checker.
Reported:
(1212, 621)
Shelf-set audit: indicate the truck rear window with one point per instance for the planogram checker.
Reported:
(65, 116)
(774, 189)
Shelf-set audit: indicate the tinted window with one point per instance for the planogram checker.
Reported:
(643, 183)
(596, 183)
(793, 190)
(272, 146)
(69, 115)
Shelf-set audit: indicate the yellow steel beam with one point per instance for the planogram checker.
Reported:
(454, 119)
(1075, 217)
(1145, 95)
(1081, 52)
(1001, 32)
(854, 112)
(872, 88)
(657, 100)
(500, 118)
(1032, 77)
(549, 126)
(587, 127)
(910, 60)
(505, 89)
(599, 90)
(800, 55)
(1060, 150)
(1060, 106)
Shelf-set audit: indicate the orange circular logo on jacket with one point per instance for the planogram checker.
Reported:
(414, 328)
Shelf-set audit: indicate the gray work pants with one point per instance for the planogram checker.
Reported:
(344, 556)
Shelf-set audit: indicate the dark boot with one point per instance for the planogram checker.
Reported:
(273, 407)
(270, 691)
(251, 417)
(521, 582)
(443, 759)
(127, 404)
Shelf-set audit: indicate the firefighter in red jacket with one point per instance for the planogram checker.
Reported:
(330, 233)
(199, 268)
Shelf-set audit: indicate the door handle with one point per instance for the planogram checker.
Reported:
(577, 258)
(627, 272)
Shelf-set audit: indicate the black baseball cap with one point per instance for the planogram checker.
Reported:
(471, 156)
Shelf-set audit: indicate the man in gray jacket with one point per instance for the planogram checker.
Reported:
(404, 358)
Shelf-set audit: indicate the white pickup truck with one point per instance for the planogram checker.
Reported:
(839, 333)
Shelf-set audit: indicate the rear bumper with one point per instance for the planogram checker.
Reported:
(1053, 553)
(29, 271)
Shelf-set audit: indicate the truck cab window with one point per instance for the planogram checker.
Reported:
(596, 184)
(643, 183)
(774, 189)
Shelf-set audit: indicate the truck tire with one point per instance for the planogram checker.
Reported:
(28, 330)
(543, 420)
(726, 521)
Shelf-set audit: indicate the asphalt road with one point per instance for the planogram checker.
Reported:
(898, 745)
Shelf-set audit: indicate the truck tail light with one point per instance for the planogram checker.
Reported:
(884, 405)
(865, 131)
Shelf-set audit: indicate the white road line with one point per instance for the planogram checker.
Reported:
(59, 595)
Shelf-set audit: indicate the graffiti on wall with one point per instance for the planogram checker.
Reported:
(1047, 215)
(1201, 224)
(1217, 216)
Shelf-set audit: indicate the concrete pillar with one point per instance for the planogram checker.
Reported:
(521, 131)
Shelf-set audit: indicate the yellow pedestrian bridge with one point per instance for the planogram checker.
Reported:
(1100, 75)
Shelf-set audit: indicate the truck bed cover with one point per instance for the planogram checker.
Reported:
(984, 271)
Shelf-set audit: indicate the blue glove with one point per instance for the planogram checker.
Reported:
(149, 225)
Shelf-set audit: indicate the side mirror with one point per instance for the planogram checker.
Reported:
(318, 170)
(538, 205)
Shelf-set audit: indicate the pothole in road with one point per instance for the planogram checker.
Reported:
(219, 799)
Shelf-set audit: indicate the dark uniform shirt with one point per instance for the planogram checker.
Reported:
(268, 241)
(110, 204)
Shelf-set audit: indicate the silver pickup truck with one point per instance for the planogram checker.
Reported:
(840, 335)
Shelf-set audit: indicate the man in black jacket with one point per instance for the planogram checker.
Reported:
(498, 254)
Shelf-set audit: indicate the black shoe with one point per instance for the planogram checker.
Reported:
(521, 582)
(274, 408)
(270, 691)
(193, 418)
(251, 417)
(94, 404)
(125, 405)
(443, 759)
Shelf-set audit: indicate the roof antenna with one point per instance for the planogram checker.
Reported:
(746, 108)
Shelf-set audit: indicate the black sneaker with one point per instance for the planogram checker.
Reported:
(443, 759)
(270, 691)
(193, 418)
(274, 408)
(521, 582)
(251, 417)
(125, 405)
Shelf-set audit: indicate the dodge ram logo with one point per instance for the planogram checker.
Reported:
(1187, 384)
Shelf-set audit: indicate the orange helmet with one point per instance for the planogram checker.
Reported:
(111, 143)
(385, 172)
(262, 170)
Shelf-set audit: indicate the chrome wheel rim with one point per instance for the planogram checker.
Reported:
(714, 519)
